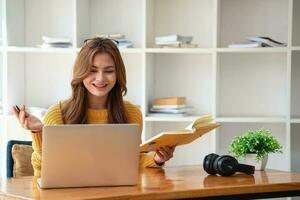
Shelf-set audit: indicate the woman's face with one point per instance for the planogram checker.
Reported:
(102, 76)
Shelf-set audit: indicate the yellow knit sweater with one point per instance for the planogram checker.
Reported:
(54, 117)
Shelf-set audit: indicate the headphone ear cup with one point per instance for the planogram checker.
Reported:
(224, 165)
(208, 163)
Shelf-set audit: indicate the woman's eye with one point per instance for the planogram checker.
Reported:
(110, 71)
(93, 70)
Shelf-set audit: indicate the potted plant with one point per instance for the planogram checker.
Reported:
(254, 147)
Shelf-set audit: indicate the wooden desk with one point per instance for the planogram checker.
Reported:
(169, 183)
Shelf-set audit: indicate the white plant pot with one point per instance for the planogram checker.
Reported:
(259, 165)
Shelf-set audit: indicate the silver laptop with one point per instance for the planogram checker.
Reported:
(90, 155)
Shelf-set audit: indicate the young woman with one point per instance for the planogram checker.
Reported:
(98, 87)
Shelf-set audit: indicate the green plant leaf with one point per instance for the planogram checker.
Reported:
(260, 142)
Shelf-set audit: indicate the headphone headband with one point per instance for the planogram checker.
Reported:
(248, 169)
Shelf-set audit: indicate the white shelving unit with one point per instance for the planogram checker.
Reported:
(242, 88)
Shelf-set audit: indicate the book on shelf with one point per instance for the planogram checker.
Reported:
(254, 42)
(245, 45)
(56, 39)
(179, 45)
(267, 41)
(55, 42)
(174, 41)
(169, 101)
(168, 106)
(171, 106)
(122, 42)
(125, 44)
(113, 36)
(168, 115)
(173, 38)
(184, 109)
(196, 129)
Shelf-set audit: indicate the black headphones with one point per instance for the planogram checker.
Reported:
(225, 165)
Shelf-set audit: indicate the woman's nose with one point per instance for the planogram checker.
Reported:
(100, 76)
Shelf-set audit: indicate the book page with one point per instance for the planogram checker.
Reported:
(199, 132)
(195, 130)
(201, 120)
(164, 139)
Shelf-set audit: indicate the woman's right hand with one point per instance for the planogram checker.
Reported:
(28, 121)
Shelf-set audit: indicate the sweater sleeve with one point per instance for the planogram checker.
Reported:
(135, 116)
(52, 117)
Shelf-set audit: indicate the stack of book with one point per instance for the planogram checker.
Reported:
(122, 41)
(175, 41)
(170, 107)
(258, 41)
(53, 42)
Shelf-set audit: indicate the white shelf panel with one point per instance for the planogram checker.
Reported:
(171, 119)
(295, 120)
(39, 50)
(295, 23)
(254, 50)
(252, 119)
(190, 18)
(126, 50)
(8, 117)
(254, 83)
(295, 81)
(180, 50)
(242, 19)
(131, 50)
(28, 21)
(296, 48)
(126, 18)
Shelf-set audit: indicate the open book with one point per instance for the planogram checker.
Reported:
(196, 129)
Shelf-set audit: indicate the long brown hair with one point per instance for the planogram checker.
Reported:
(74, 110)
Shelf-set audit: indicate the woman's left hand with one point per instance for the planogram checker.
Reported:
(163, 154)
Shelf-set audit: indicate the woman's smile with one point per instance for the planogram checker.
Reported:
(100, 86)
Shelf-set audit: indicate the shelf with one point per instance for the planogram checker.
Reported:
(252, 84)
(189, 18)
(242, 19)
(126, 50)
(253, 50)
(296, 23)
(252, 119)
(2, 116)
(180, 50)
(154, 50)
(295, 120)
(28, 21)
(244, 87)
(295, 148)
(110, 16)
(296, 48)
(9, 118)
(177, 75)
(39, 50)
(171, 119)
(33, 72)
(130, 50)
(295, 81)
